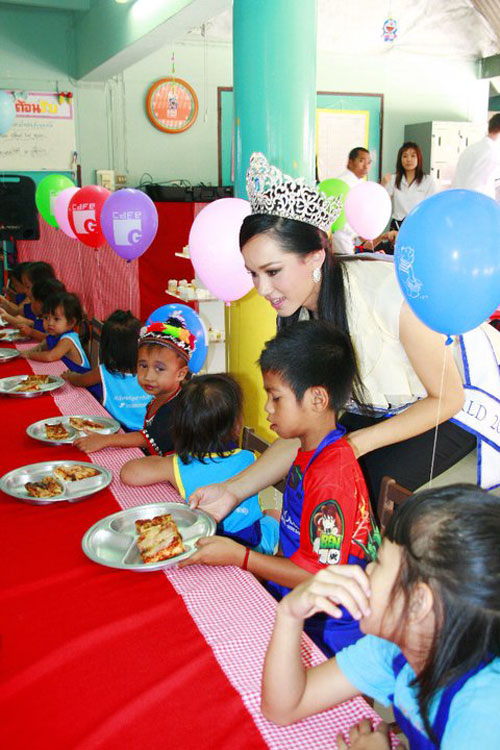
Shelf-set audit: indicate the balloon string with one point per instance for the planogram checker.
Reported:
(438, 417)
(130, 287)
(99, 281)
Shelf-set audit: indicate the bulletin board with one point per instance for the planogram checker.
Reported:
(341, 119)
(42, 136)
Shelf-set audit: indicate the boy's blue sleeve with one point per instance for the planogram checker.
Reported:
(368, 665)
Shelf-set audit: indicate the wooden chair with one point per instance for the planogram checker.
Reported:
(391, 495)
(95, 342)
(252, 442)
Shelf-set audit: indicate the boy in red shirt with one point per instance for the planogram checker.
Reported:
(308, 371)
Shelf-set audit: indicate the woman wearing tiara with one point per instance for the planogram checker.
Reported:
(399, 398)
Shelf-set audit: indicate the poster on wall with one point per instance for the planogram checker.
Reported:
(42, 136)
(337, 133)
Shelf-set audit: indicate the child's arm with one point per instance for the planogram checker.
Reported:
(148, 470)
(309, 691)
(61, 349)
(16, 320)
(32, 333)
(219, 550)
(83, 379)
(96, 442)
(9, 306)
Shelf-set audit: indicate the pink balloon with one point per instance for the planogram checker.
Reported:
(368, 209)
(61, 210)
(215, 251)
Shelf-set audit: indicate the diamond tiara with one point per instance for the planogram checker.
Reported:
(272, 192)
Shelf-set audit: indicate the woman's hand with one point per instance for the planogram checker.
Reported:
(217, 550)
(386, 179)
(363, 737)
(346, 585)
(216, 499)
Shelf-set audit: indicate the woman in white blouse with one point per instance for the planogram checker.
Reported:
(409, 186)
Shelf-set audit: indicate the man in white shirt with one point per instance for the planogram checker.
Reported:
(479, 165)
(358, 166)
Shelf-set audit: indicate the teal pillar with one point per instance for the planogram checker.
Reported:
(274, 53)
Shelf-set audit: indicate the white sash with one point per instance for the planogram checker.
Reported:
(480, 413)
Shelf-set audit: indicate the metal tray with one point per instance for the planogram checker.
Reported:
(8, 385)
(37, 429)
(112, 541)
(8, 354)
(12, 334)
(13, 482)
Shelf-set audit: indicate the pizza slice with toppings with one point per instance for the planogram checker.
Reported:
(56, 431)
(159, 538)
(46, 487)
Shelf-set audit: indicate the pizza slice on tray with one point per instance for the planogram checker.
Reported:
(33, 383)
(56, 431)
(79, 423)
(75, 472)
(159, 538)
(46, 487)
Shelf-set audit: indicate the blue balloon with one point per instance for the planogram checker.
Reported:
(7, 111)
(447, 259)
(195, 325)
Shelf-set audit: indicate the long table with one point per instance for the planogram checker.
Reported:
(95, 657)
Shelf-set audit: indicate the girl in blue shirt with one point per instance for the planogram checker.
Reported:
(430, 609)
(113, 381)
(206, 423)
(62, 312)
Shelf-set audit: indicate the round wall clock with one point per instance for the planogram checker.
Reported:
(172, 105)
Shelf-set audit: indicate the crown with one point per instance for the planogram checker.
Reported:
(272, 192)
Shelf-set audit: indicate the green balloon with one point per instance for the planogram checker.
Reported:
(46, 193)
(334, 188)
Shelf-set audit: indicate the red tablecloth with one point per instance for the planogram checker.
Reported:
(95, 657)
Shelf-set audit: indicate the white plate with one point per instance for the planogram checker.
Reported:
(112, 541)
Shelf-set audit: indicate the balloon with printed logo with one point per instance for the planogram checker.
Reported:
(61, 210)
(46, 194)
(194, 324)
(84, 213)
(448, 262)
(334, 188)
(368, 209)
(129, 221)
(7, 112)
(215, 251)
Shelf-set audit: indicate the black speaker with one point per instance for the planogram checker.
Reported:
(18, 212)
(194, 193)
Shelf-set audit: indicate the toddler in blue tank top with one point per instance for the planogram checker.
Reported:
(113, 379)
(61, 313)
(206, 423)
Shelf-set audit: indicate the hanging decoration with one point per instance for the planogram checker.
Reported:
(389, 30)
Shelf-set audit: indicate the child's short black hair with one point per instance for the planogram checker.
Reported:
(205, 416)
(70, 303)
(312, 353)
(17, 271)
(41, 290)
(38, 271)
(118, 347)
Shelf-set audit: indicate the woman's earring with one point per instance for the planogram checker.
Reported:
(317, 275)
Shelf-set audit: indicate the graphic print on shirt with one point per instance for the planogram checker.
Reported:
(366, 534)
(327, 532)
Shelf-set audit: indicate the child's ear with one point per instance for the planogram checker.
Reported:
(318, 398)
(421, 602)
(181, 373)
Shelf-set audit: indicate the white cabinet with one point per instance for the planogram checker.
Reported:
(441, 144)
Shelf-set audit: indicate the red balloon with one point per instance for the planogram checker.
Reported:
(84, 213)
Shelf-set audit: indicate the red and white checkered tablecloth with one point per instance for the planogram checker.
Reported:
(232, 610)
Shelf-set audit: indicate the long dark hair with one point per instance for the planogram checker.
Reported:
(301, 239)
(450, 541)
(205, 416)
(118, 345)
(419, 171)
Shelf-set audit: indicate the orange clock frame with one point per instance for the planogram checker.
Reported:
(158, 104)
